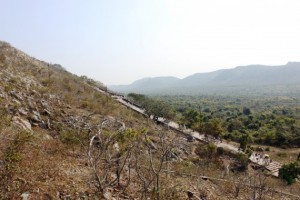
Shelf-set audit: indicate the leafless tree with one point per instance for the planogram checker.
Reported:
(150, 168)
(83, 128)
(106, 158)
(258, 186)
(239, 184)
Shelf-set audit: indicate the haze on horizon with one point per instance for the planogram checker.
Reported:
(120, 41)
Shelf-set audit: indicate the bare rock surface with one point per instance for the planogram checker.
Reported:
(22, 123)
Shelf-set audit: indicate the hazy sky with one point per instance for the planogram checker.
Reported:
(119, 41)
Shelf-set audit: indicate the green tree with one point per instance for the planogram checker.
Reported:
(70, 138)
(192, 119)
(244, 141)
(152, 106)
(206, 151)
(290, 172)
(242, 160)
(214, 128)
(246, 111)
(159, 109)
(139, 98)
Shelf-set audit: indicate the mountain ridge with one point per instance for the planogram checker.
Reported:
(260, 78)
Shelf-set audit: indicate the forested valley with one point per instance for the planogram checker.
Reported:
(273, 121)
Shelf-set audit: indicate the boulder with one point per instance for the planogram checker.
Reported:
(16, 101)
(16, 95)
(108, 196)
(25, 195)
(22, 123)
(31, 104)
(46, 112)
(22, 111)
(3, 95)
(35, 117)
(44, 104)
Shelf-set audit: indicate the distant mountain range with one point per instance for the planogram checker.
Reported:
(245, 80)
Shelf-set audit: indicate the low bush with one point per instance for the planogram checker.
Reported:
(290, 172)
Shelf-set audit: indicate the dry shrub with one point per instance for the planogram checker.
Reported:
(10, 182)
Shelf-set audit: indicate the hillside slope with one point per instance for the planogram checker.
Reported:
(253, 79)
(62, 139)
(48, 116)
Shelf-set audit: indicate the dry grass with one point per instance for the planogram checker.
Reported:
(281, 155)
(51, 162)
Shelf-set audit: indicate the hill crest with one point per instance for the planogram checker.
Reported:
(259, 79)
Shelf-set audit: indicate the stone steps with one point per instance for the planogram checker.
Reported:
(274, 167)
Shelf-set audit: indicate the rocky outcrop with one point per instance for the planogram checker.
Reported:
(22, 123)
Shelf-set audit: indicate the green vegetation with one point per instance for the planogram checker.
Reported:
(153, 107)
(82, 144)
(264, 120)
(243, 161)
(4, 118)
(13, 153)
(208, 150)
(290, 172)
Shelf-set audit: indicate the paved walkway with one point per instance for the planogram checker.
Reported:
(128, 104)
(199, 136)
(273, 166)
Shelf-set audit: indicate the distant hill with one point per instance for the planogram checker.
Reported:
(148, 84)
(246, 80)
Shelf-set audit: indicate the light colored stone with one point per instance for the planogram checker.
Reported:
(108, 196)
(22, 111)
(16, 101)
(116, 147)
(22, 123)
(3, 95)
(25, 196)
(44, 104)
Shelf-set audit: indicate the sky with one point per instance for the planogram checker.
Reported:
(120, 41)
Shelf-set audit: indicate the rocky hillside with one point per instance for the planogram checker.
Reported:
(62, 139)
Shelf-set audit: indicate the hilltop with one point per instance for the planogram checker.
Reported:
(63, 139)
(244, 80)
